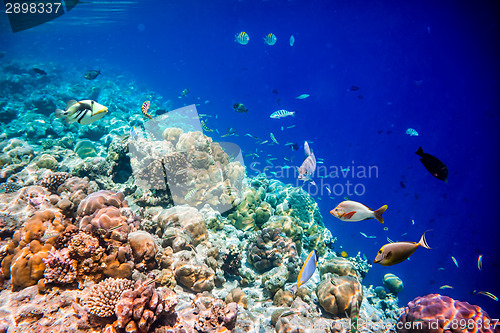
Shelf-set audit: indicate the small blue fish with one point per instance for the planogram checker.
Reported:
(411, 132)
(454, 260)
(270, 39)
(480, 262)
(242, 38)
(303, 96)
(292, 40)
(133, 133)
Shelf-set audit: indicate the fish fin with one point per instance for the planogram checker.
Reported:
(70, 103)
(423, 241)
(378, 213)
(60, 113)
(420, 152)
(349, 215)
(307, 150)
(313, 183)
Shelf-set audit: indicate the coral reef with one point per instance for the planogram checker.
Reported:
(100, 299)
(337, 294)
(438, 313)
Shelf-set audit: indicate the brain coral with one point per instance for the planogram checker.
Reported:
(436, 313)
(100, 299)
(336, 294)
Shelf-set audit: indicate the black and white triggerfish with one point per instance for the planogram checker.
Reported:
(84, 112)
(394, 253)
(307, 270)
(308, 167)
(437, 168)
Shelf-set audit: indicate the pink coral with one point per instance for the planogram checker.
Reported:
(436, 313)
(139, 307)
(101, 199)
(59, 267)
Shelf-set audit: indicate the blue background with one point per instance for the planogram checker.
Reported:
(383, 47)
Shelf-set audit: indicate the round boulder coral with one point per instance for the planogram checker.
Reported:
(337, 294)
(436, 313)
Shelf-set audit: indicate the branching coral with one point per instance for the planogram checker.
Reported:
(100, 299)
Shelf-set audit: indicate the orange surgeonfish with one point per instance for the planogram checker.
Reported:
(145, 108)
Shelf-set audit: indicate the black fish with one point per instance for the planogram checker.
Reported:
(295, 146)
(275, 91)
(353, 88)
(433, 165)
(39, 71)
(92, 74)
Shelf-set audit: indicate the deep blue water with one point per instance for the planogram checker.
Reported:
(385, 48)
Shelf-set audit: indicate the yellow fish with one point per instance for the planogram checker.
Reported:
(307, 270)
(242, 38)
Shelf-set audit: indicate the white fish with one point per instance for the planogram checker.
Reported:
(411, 132)
(352, 211)
(303, 96)
(270, 39)
(292, 40)
(308, 167)
(281, 114)
(242, 38)
(84, 112)
(307, 270)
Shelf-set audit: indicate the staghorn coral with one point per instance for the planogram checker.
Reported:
(138, 308)
(438, 313)
(336, 294)
(269, 249)
(59, 267)
(100, 299)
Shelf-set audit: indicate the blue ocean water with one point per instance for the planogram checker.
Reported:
(424, 65)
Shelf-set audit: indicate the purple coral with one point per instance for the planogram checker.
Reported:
(59, 267)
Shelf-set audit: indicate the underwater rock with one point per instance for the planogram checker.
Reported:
(144, 248)
(338, 265)
(238, 296)
(336, 294)
(85, 148)
(393, 283)
(195, 277)
(275, 279)
(437, 313)
(47, 161)
(380, 292)
(187, 219)
(283, 298)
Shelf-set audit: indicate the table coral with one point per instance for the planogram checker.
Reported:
(436, 313)
(336, 294)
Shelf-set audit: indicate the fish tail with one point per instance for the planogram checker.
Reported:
(378, 213)
(420, 152)
(60, 113)
(423, 241)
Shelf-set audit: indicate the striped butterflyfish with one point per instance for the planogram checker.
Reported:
(84, 112)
